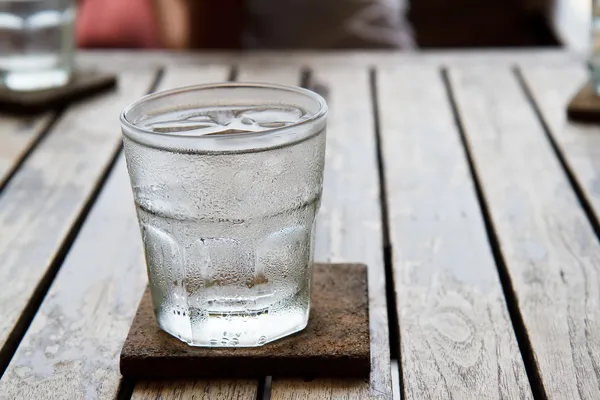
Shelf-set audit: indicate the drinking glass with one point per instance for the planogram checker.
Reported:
(37, 43)
(227, 181)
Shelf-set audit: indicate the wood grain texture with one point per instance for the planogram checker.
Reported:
(196, 390)
(72, 347)
(319, 389)
(457, 340)
(552, 254)
(199, 389)
(17, 135)
(45, 197)
(349, 225)
(579, 143)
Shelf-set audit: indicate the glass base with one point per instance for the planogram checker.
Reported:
(35, 80)
(233, 330)
(236, 326)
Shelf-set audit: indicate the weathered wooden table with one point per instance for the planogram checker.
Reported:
(455, 177)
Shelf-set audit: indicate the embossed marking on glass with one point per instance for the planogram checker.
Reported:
(227, 181)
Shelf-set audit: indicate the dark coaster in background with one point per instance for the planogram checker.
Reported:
(82, 84)
(585, 105)
(334, 344)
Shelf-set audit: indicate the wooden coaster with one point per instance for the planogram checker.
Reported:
(585, 105)
(334, 344)
(83, 83)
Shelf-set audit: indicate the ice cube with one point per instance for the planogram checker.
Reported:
(183, 126)
(266, 115)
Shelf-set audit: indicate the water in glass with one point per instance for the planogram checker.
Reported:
(228, 236)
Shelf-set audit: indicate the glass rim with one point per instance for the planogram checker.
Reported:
(321, 111)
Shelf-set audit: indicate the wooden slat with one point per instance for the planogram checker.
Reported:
(349, 226)
(43, 200)
(208, 389)
(126, 59)
(456, 335)
(579, 144)
(196, 390)
(17, 135)
(552, 88)
(552, 254)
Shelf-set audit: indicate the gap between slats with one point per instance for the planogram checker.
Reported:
(579, 192)
(390, 292)
(29, 312)
(17, 165)
(509, 293)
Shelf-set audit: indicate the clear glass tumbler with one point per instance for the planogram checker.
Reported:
(36, 43)
(227, 181)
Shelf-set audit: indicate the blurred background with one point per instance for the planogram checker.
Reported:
(331, 24)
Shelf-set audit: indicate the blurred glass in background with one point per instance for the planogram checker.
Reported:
(36, 43)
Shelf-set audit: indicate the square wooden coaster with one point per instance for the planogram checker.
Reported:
(83, 83)
(585, 105)
(334, 344)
